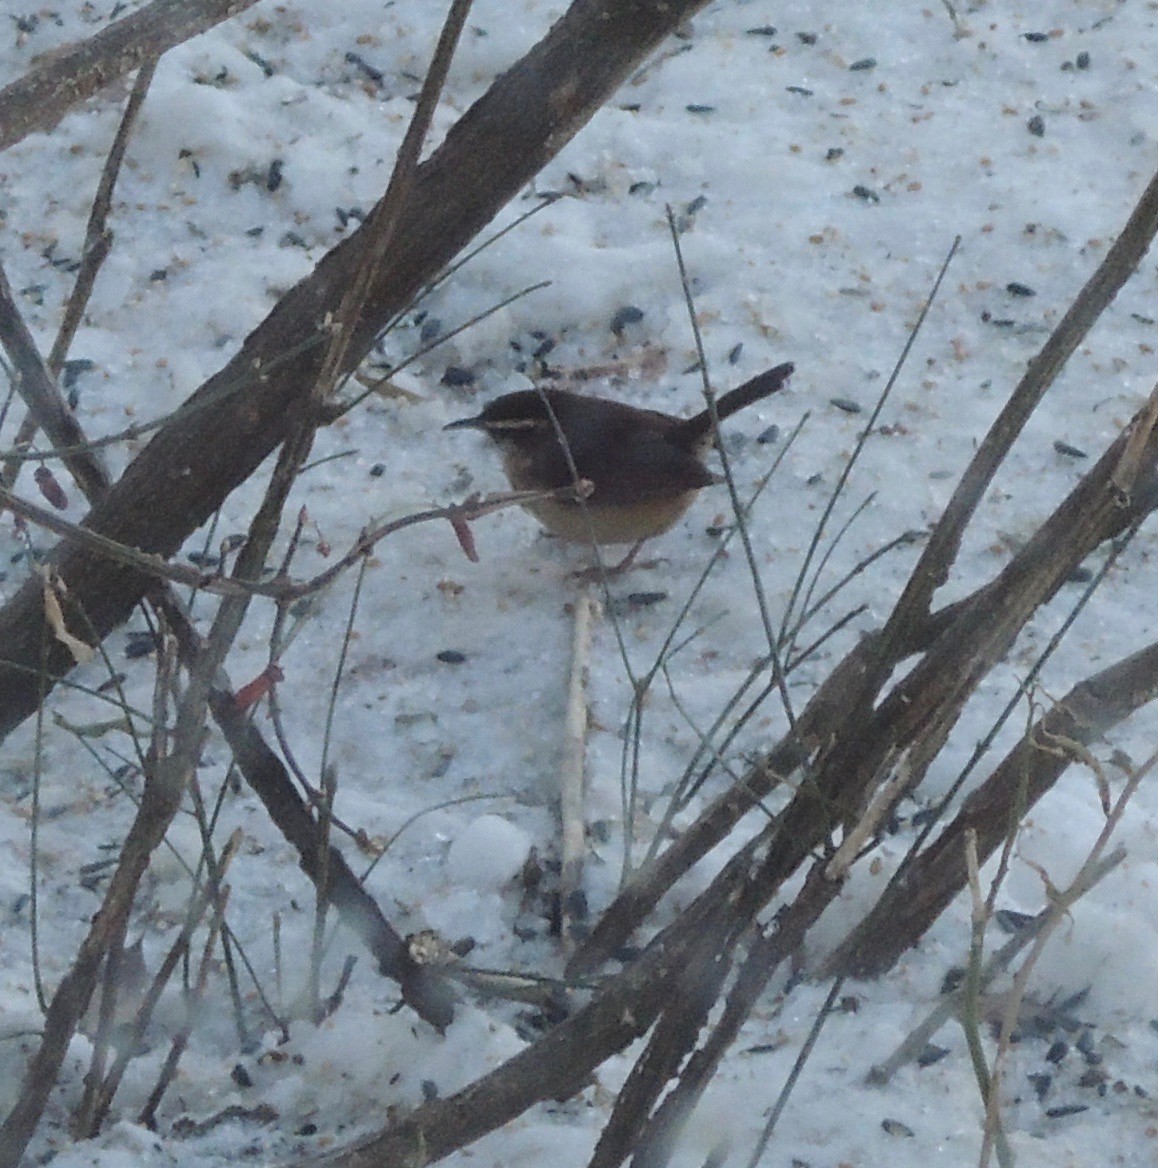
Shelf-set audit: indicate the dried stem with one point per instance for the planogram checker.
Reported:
(573, 905)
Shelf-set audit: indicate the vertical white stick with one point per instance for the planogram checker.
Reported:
(571, 817)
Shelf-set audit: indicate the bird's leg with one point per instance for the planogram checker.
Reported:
(603, 572)
(628, 560)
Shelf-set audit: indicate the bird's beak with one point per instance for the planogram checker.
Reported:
(475, 423)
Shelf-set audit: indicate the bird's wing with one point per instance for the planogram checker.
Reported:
(646, 467)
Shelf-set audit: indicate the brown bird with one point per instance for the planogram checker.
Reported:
(644, 466)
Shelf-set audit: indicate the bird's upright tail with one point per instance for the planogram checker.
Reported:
(761, 386)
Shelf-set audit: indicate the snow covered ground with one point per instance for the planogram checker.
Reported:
(821, 168)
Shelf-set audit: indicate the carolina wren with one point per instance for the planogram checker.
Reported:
(644, 466)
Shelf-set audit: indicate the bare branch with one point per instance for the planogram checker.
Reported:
(906, 910)
(240, 415)
(72, 74)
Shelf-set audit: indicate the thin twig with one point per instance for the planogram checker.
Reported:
(135, 1030)
(914, 1043)
(194, 999)
(1057, 913)
(994, 1130)
(97, 244)
(97, 237)
(280, 589)
(725, 462)
(822, 1016)
(1118, 265)
(865, 433)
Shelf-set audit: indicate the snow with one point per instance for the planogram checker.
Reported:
(453, 760)
(489, 852)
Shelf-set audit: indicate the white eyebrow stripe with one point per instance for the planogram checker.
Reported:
(514, 424)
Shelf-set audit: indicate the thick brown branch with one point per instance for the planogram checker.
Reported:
(899, 919)
(232, 422)
(422, 989)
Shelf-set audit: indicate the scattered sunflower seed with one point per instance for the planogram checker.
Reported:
(765, 30)
(1035, 38)
(1010, 921)
(1068, 1109)
(628, 314)
(1036, 126)
(767, 437)
(633, 601)
(895, 1128)
(455, 375)
(864, 64)
(931, 1054)
(1082, 61)
(700, 109)
(734, 354)
(600, 830)
(139, 645)
(799, 89)
(576, 906)
(846, 404)
(1016, 289)
(866, 193)
(259, 61)
(364, 66)
(72, 369)
(451, 656)
(1068, 450)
